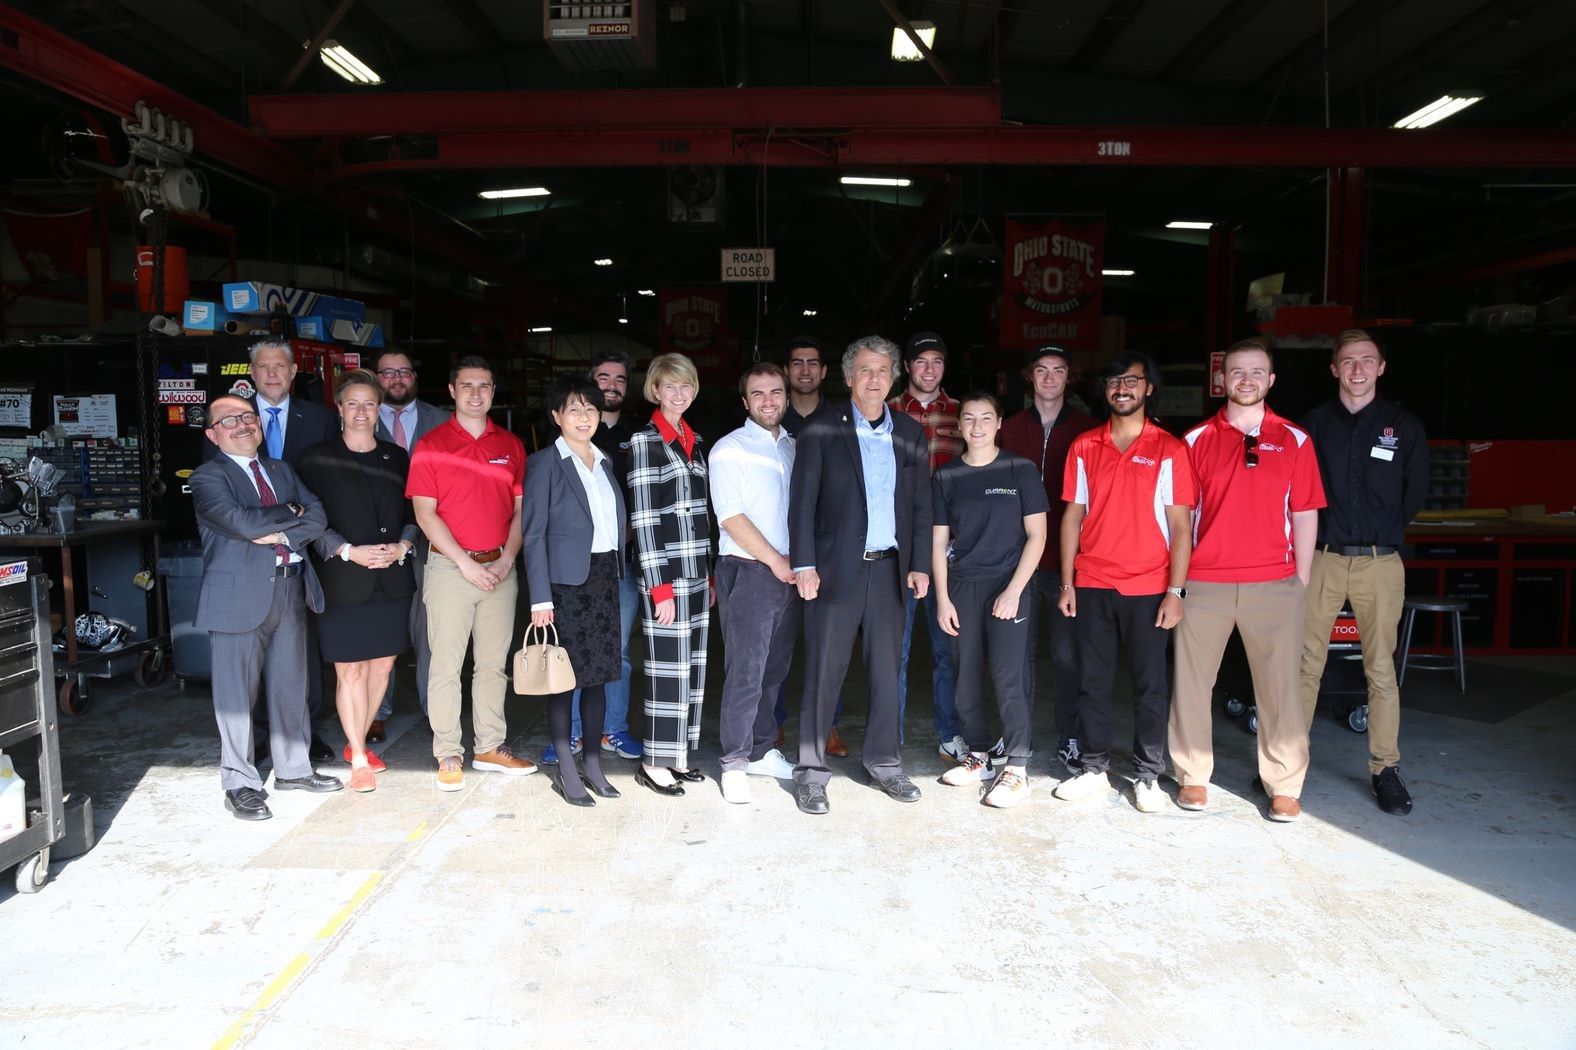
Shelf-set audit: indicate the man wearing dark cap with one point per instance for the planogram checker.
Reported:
(925, 362)
(806, 368)
(1042, 434)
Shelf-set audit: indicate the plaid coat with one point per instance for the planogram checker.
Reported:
(668, 509)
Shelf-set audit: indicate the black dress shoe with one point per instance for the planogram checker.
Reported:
(556, 781)
(319, 751)
(1391, 792)
(316, 782)
(694, 776)
(608, 792)
(812, 799)
(644, 780)
(247, 804)
(900, 788)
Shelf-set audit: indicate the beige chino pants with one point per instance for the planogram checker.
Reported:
(460, 614)
(1272, 620)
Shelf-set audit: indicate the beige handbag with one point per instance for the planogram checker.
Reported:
(542, 668)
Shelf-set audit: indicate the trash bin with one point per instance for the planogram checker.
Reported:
(180, 564)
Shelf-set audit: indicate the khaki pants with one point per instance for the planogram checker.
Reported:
(1376, 588)
(459, 614)
(1271, 618)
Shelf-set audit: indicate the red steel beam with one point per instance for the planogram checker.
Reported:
(33, 50)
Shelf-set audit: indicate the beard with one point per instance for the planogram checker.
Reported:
(1245, 400)
(1127, 408)
(402, 400)
(612, 401)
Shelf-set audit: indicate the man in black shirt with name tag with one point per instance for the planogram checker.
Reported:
(1373, 455)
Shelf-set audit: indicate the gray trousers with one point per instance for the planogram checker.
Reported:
(875, 610)
(274, 655)
(759, 618)
(418, 639)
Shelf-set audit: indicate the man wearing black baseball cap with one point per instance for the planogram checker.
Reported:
(1042, 434)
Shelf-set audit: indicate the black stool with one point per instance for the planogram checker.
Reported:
(1457, 663)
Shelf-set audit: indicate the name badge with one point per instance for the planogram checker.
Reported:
(1382, 453)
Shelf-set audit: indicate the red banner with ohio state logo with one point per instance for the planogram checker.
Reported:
(1051, 284)
(694, 322)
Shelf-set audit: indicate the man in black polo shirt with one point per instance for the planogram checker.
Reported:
(1373, 456)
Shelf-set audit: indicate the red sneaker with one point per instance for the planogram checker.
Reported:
(374, 763)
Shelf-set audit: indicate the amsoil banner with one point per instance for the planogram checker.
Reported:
(694, 322)
(1051, 285)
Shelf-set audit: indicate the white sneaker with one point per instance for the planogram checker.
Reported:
(1011, 787)
(1082, 786)
(771, 764)
(736, 787)
(974, 768)
(1148, 798)
(953, 750)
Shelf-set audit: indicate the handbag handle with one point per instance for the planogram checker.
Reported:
(530, 633)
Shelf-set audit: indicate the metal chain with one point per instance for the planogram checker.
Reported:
(153, 486)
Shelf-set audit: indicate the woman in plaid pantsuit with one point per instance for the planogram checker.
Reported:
(667, 499)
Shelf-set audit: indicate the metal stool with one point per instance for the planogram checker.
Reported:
(1457, 663)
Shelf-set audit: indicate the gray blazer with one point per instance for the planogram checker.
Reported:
(556, 523)
(427, 417)
(237, 574)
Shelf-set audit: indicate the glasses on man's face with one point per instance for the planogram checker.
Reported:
(1124, 382)
(231, 422)
(1250, 457)
(396, 373)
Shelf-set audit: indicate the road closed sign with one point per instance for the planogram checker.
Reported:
(749, 264)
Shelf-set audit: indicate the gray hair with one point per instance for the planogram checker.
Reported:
(270, 344)
(880, 346)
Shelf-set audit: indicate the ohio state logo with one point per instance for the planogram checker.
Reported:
(1052, 272)
(693, 323)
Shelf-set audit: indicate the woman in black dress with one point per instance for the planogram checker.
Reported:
(574, 535)
(364, 562)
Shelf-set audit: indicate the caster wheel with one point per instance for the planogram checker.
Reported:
(73, 701)
(1253, 722)
(1235, 707)
(151, 669)
(1358, 719)
(33, 872)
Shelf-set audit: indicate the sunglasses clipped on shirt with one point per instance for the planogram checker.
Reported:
(1250, 456)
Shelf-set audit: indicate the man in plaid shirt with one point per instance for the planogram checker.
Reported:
(925, 361)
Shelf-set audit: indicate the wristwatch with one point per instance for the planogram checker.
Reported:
(1180, 592)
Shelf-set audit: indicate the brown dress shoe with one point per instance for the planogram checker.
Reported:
(502, 760)
(834, 744)
(1194, 798)
(1285, 809)
(376, 734)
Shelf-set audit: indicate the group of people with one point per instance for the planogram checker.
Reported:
(819, 521)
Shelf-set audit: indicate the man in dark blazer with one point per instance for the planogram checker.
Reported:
(403, 419)
(256, 519)
(859, 524)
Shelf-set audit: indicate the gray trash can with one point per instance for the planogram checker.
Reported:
(180, 564)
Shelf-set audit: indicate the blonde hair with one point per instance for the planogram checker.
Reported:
(664, 367)
(356, 377)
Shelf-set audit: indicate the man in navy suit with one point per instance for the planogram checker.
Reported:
(256, 518)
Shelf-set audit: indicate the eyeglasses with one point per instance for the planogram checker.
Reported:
(396, 373)
(1250, 458)
(231, 422)
(1125, 382)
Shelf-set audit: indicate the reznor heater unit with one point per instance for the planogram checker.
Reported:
(601, 36)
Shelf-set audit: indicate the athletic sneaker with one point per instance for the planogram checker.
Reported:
(973, 768)
(621, 744)
(998, 753)
(1070, 755)
(736, 787)
(953, 750)
(1010, 788)
(771, 764)
(1148, 798)
(1087, 783)
(451, 773)
(550, 753)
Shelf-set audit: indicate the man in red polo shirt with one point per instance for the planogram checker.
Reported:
(467, 479)
(1253, 533)
(1126, 540)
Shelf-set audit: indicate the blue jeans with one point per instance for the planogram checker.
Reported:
(943, 679)
(617, 717)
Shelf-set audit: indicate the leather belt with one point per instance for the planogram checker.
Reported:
(284, 572)
(1368, 550)
(890, 552)
(483, 557)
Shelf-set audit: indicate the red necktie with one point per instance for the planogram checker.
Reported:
(399, 432)
(265, 492)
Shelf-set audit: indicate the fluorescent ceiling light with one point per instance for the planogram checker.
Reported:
(543, 328)
(809, 313)
(623, 320)
(1188, 224)
(519, 191)
(869, 180)
(337, 57)
(1117, 273)
(903, 49)
(645, 291)
(604, 262)
(1437, 110)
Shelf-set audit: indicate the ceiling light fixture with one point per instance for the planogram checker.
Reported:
(604, 262)
(809, 313)
(645, 291)
(1437, 110)
(903, 49)
(870, 180)
(542, 329)
(1188, 224)
(519, 191)
(1116, 273)
(337, 56)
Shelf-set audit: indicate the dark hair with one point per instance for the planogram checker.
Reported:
(1127, 359)
(1252, 343)
(386, 351)
(806, 342)
(761, 368)
(981, 395)
(612, 357)
(1355, 335)
(573, 388)
(469, 361)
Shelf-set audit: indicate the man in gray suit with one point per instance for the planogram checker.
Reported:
(255, 518)
(403, 419)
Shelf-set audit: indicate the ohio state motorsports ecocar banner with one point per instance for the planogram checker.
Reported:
(694, 322)
(1051, 284)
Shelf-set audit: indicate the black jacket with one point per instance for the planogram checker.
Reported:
(364, 497)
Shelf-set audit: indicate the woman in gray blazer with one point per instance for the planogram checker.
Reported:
(573, 523)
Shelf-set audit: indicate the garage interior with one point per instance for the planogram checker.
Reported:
(495, 177)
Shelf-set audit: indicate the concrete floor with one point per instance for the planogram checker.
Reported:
(501, 917)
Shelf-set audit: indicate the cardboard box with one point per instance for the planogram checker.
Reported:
(250, 297)
(357, 334)
(311, 328)
(202, 317)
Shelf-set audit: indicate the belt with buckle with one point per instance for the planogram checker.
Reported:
(1367, 550)
(890, 552)
(483, 557)
(284, 572)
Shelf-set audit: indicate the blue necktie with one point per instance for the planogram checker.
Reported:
(272, 437)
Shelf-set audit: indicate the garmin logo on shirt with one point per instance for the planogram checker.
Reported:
(1265, 446)
(501, 461)
(1001, 492)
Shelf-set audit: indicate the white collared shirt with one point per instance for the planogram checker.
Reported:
(599, 494)
(407, 412)
(749, 475)
(245, 464)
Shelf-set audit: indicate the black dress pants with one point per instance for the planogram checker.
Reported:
(1106, 621)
